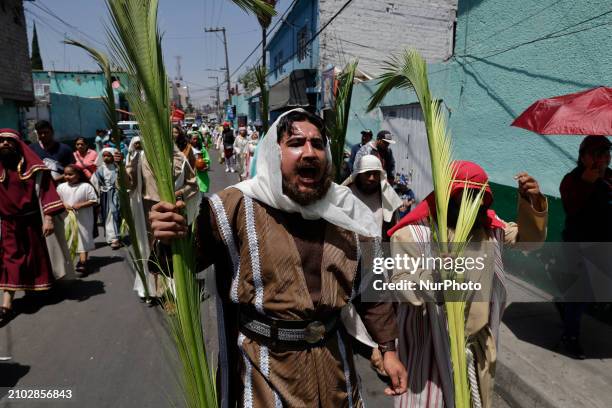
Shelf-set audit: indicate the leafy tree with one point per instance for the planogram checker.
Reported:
(36, 58)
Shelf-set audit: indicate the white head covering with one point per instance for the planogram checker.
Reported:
(132, 146)
(110, 150)
(390, 200)
(132, 152)
(339, 206)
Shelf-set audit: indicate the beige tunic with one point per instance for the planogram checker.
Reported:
(423, 347)
(272, 279)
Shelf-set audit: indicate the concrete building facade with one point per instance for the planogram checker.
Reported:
(15, 80)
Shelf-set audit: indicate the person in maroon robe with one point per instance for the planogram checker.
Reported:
(26, 191)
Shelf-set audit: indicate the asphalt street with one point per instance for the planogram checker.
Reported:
(94, 338)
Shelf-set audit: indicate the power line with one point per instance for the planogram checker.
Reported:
(45, 22)
(39, 5)
(267, 34)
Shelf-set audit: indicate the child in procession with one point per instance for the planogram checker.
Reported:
(80, 197)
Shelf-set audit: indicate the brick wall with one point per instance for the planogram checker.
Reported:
(15, 68)
(373, 30)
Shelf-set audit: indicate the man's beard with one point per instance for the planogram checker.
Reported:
(309, 197)
(9, 158)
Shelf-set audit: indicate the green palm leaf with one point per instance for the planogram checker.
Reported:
(136, 43)
(257, 7)
(342, 107)
(261, 77)
(111, 123)
(409, 71)
(71, 230)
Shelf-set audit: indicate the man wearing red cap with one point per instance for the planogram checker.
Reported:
(423, 340)
(26, 191)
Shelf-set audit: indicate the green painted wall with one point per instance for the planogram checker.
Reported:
(507, 55)
(77, 107)
(9, 114)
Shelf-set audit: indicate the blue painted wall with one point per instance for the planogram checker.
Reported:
(304, 13)
(507, 55)
(9, 114)
(242, 107)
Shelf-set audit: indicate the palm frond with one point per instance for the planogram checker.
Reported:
(111, 122)
(257, 7)
(467, 216)
(71, 230)
(342, 108)
(409, 70)
(261, 73)
(136, 42)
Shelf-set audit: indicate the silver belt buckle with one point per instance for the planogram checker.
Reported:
(314, 332)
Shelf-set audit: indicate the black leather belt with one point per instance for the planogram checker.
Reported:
(282, 335)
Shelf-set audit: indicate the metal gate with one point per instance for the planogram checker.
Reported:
(411, 151)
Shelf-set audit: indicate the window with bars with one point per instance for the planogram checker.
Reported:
(41, 90)
(278, 63)
(302, 43)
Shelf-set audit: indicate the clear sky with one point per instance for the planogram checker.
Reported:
(181, 21)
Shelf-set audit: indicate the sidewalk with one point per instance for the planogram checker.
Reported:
(530, 373)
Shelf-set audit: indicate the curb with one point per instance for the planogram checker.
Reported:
(518, 392)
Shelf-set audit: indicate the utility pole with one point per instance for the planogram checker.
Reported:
(218, 97)
(179, 75)
(227, 72)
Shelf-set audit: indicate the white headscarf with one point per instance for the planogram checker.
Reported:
(132, 146)
(390, 200)
(110, 150)
(339, 206)
(132, 152)
(109, 172)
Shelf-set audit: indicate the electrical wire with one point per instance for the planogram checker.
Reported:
(50, 12)
(268, 34)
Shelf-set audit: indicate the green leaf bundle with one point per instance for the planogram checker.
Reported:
(261, 73)
(136, 42)
(71, 230)
(342, 107)
(409, 71)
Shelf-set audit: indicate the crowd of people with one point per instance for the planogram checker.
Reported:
(299, 306)
(82, 187)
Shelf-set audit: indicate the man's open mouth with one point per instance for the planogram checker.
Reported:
(308, 173)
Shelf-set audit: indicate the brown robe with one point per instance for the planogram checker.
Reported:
(290, 269)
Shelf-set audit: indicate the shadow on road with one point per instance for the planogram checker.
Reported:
(95, 263)
(75, 290)
(539, 324)
(10, 374)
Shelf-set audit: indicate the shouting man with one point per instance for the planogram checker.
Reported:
(285, 245)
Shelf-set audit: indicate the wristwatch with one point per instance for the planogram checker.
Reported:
(388, 346)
